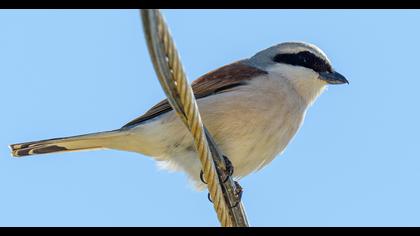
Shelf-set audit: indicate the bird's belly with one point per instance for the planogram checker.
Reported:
(249, 132)
(257, 143)
(253, 131)
(258, 146)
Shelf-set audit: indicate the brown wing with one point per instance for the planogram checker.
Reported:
(216, 81)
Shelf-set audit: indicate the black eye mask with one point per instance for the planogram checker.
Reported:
(305, 59)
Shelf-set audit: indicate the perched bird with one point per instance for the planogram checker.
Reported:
(252, 108)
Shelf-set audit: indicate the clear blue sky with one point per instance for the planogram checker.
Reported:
(355, 161)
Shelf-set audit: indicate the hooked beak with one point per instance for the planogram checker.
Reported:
(333, 77)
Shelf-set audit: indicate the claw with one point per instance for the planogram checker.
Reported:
(209, 197)
(202, 177)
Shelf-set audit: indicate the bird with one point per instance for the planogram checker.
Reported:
(252, 107)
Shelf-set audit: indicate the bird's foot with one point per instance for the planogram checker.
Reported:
(225, 176)
(238, 194)
(228, 173)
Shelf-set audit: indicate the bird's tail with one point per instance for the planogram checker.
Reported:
(91, 141)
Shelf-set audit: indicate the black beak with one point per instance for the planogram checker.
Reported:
(333, 77)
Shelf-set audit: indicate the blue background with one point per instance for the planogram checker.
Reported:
(355, 161)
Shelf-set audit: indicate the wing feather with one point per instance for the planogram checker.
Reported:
(220, 80)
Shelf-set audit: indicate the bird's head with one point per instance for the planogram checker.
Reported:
(305, 65)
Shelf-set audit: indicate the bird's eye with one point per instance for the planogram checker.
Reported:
(305, 59)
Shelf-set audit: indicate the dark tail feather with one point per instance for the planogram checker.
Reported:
(66, 144)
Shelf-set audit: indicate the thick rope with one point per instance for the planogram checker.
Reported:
(181, 97)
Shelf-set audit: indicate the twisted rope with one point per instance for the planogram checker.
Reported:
(172, 77)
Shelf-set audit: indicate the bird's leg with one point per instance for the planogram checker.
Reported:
(238, 194)
(229, 168)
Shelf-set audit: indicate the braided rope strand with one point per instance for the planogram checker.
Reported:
(192, 119)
